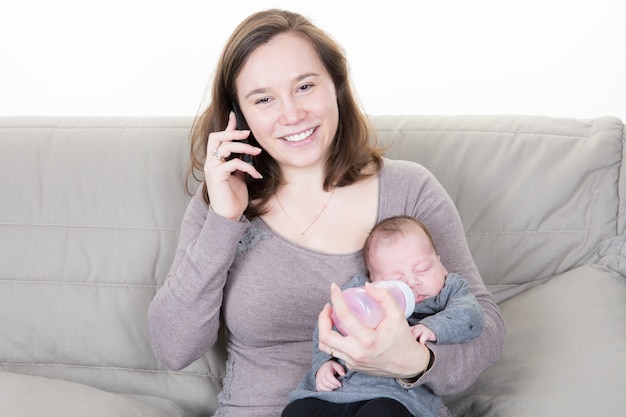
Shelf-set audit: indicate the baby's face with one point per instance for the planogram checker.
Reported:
(412, 259)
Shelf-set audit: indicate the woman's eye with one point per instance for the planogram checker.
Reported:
(305, 87)
(262, 100)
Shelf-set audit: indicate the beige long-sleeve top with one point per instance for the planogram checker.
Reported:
(270, 291)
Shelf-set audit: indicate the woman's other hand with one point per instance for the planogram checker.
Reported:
(389, 350)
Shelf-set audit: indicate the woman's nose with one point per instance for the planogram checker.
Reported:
(291, 112)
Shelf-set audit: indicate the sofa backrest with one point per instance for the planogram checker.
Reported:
(89, 223)
(536, 195)
(90, 210)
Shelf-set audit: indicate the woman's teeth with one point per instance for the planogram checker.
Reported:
(299, 136)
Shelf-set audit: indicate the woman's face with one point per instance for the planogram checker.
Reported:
(289, 101)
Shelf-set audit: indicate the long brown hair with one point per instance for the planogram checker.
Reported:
(352, 150)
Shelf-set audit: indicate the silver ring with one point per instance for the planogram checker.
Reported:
(332, 352)
(217, 155)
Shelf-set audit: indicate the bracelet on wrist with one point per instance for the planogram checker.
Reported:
(410, 382)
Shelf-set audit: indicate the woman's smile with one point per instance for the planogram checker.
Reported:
(299, 136)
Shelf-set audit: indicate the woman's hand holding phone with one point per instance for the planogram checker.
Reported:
(226, 178)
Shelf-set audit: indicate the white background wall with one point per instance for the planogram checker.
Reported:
(151, 57)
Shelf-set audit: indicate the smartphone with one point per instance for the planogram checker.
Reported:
(241, 124)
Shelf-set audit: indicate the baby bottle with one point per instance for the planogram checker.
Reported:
(368, 310)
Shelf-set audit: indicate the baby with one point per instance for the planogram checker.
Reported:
(398, 248)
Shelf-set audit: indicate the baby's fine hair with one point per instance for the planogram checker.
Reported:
(393, 228)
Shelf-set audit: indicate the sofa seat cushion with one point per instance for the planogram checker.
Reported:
(564, 354)
(27, 396)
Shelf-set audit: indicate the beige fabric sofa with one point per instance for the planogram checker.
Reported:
(89, 217)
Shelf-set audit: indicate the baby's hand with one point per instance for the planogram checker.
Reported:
(423, 334)
(326, 377)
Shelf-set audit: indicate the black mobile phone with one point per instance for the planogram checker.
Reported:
(241, 124)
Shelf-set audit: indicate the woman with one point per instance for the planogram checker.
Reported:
(261, 244)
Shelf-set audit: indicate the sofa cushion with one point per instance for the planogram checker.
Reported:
(564, 354)
(27, 396)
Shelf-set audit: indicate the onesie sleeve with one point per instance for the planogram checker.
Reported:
(461, 318)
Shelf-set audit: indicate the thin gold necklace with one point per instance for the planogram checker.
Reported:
(302, 232)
